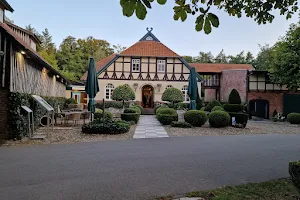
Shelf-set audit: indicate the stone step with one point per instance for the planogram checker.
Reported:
(38, 137)
(148, 111)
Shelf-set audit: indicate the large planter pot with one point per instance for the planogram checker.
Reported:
(181, 115)
(240, 118)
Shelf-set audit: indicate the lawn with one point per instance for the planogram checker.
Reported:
(273, 190)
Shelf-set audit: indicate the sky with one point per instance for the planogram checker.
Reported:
(103, 19)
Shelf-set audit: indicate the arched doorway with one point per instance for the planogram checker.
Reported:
(148, 96)
(259, 108)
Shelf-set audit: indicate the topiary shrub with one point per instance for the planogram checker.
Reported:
(294, 171)
(234, 97)
(217, 108)
(181, 124)
(112, 104)
(211, 105)
(98, 114)
(123, 93)
(129, 110)
(219, 119)
(233, 107)
(137, 110)
(130, 117)
(202, 109)
(180, 106)
(70, 101)
(108, 115)
(159, 106)
(166, 115)
(195, 117)
(139, 107)
(106, 126)
(294, 118)
(172, 95)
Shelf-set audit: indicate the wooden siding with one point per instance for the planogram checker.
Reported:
(28, 77)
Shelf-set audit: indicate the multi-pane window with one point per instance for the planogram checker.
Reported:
(185, 93)
(136, 65)
(161, 65)
(149, 38)
(169, 86)
(108, 91)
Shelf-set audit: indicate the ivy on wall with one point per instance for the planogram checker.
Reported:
(17, 117)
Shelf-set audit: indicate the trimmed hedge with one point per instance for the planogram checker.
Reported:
(165, 110)
(70, 101)
(180, 106)
(294, 171)
(217, 108)
(159, 106)
(112, 104)
(166, 115)
(240, 118)
(172, 95)
(98, 114)
(202, 109)
(137, 110)
(181, 124)
(233, 107)
(107, 115)
(294, 118)
(195, 117)
(106, 127)
(130, 117)
(129, 110)
(234, 97)
(139, 107)
(219, 119)
(211, 105)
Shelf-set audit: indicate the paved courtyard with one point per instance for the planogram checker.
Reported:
(149, 127)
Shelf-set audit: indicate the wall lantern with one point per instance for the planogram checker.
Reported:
(135, 86)
(158, 87)
(57, 76)
(23, 52)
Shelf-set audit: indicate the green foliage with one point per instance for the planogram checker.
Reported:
(261, 12)
(112, 104)
(165, 110)
(203, 109)
(130, 117)
(220, 108)
(234, 97)
(233, 107)
(263, 57)
(98, 114)
(106, 126)
(294, 171)
(294, 118)
(172, 95)
(70, 101)
(159, 106)
(180, 106)
(240, 118)
(212, 104)
(219, 119)
(139, 107)
(181, 124)
(166, 115)
(123, 93)
(199, 103)
(195, 117)
(136, 109)
(130, 110)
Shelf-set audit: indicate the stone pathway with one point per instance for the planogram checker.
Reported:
(149, 127)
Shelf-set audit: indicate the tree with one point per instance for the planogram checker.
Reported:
(172, 95)
(261, 11)
(188, 59)
(204, 57)
(118, 48)
(234, 97)
(221, 57)
(249, 59)
(263, 58)
(238, 59)
(285, 58)
(123, 93)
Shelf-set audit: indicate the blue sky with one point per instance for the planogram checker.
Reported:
(105, 21)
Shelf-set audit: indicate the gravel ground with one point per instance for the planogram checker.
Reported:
(63, 135)
(253, 127)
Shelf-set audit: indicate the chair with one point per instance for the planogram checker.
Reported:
(75, 117)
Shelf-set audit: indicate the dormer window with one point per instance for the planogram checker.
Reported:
(136, 65)
(161, 65)
(149, 38)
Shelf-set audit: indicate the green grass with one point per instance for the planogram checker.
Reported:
(273, 190)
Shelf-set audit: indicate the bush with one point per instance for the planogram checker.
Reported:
(137, 110)
(233, 107)
(181, 124)
(294, 118)
(139, 107)
(70, 101)
(130, 110)
(217, 108)
(180, 106)
(172, 95)
(195, 117)
(130, 117)
(202, 109)
(199, 103)
(98, 114)
(112, 104)
(240, 118)
(108, 115)
(294, 171)
(123, 93)
(106, 127)
(219, 119)
(211, 105)
(166, 110)
(234, 97)
(167, 119)
(159, 106)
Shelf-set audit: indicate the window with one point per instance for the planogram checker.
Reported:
(136, 65)
(108, 91)
(149, 38)
(169, 86)
(185, 93)
(161, 65)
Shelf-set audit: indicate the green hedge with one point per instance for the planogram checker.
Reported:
(139, 107)
(179, 106)
(211, 105)
(167, 119)
(217, 108)
(17, 118)
(99, 115)
(233, 107)
(219, 119)
(240, 118)
(129, 110)
(137, 110)
(106, 127)
(165, 110)
(195, 117)
(159, 106)
(181, 124)
(294, 171)
(130, 117)
(112, 104)
(294, 118)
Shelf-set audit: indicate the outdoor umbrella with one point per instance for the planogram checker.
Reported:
(91, 86)
(193, 89)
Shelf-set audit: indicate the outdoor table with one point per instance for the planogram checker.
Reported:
(67, 113)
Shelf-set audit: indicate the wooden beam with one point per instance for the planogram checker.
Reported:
(4, 63)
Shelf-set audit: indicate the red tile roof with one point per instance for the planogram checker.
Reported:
(149, 48)
(30, 50)
(100, 64)
(219, 67)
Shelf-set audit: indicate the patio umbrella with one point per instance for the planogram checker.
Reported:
(193, 89)
(91, 86)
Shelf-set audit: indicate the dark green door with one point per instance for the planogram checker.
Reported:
(291, 103)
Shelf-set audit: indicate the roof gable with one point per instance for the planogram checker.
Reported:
(149, 36)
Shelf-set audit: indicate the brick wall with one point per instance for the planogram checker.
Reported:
(233, 79)
(209, 95)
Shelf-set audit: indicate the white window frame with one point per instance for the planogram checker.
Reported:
(161, 65)
(109, 88)
(136, 65)
(169, 86)
(184, 90)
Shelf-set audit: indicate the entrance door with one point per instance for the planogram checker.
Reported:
(76, 96)
(147, 96)
(259, 108)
